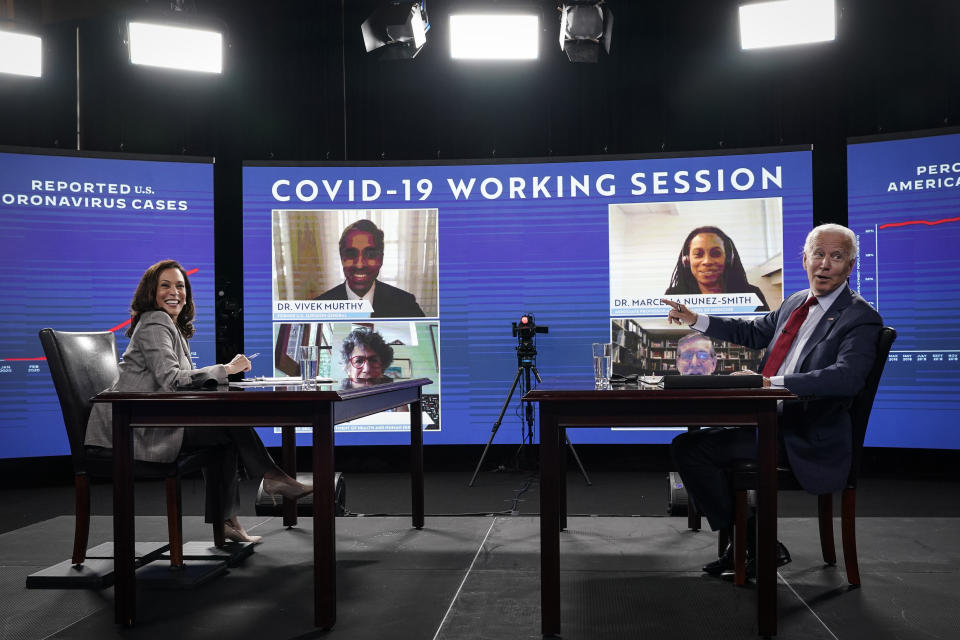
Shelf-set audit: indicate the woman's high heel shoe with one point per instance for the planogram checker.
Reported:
(239, 534)
(285, 489)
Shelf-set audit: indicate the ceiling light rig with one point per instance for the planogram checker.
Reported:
(502, 37)
(787, 22)
(586, 26)
(396, 30)
(20, 53)
(176, 39)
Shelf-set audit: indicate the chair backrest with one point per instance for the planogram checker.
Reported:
(863, 402)
(82, 364)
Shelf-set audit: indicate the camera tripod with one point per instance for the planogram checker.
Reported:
(525, 356)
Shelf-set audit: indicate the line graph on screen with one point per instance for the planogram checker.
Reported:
(111, 330)
(906, 269)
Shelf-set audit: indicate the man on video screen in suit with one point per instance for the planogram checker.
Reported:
(361, 254)
(821, 343)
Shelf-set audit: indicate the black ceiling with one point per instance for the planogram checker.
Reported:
(299, 86)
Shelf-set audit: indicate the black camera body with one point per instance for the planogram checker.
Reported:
(525, 331)
(527, 328)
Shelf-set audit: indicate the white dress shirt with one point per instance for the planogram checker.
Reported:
(368, 296)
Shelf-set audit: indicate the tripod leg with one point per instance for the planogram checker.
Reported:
(537, 375)
(525, 457)
(583, 471)
(496, 426)
(525, 454)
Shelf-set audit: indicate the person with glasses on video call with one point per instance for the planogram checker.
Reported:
(366, 356)
(361, 255)
(695, 355)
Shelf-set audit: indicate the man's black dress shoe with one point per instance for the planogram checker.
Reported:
(721, 564)
(783, 557)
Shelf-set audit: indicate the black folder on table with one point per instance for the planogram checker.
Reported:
(712, 382)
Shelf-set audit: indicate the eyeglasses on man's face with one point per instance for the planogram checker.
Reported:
(699, 355)
(358, 362)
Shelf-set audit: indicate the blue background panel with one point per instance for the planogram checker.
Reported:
(77, 233)
(542, 251)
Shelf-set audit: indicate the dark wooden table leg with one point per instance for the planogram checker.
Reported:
(288, 449)
(416, 463)
(324, 520)
(767, 521)
(549, 521)
(693, 516)
(125, 587)
(562, 478)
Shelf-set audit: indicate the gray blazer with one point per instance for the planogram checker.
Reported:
(157, 359)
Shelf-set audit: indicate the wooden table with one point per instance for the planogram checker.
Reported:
(289, 407)
(564, 406)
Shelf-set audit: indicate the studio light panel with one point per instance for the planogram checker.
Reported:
(787, 22)
(20, 54)
(494, 37)
(176, 47)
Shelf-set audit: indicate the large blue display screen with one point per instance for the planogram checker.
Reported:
(76, 234)
(586, 247)
(904, 205)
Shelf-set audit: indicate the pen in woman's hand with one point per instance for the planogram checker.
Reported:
(253, 355)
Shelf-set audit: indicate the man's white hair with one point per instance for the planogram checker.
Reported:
(832, 228)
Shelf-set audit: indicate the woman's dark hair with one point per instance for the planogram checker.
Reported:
(369, 339)
(145, 298)
(734, 275)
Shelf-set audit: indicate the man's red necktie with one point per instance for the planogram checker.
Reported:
(785, 340)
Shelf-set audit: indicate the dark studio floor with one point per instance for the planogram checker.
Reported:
(628, 570)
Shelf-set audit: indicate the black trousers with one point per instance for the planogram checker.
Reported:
(234, 447)
(704, 459)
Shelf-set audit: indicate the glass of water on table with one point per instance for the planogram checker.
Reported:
(602, 364)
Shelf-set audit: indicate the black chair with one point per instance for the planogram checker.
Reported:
(745, 478)
(82, 364)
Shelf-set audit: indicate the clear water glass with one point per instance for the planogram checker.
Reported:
(309, 357)
(602, 364)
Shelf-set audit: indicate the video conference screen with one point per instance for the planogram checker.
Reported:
(904, 205)
(77, 233)
(440, 260)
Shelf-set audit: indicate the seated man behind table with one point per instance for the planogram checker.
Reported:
(361, 254)
(695, 355)
(824, 360)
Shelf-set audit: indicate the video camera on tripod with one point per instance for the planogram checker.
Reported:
(525, 332)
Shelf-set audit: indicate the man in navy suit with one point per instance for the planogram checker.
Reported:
(361, 254)
(824, 359)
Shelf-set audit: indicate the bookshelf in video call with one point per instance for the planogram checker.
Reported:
(654, 351)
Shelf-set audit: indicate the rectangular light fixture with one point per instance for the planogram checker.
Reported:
(20, 54)
(494, 37)
(175, 47)
(787, 22)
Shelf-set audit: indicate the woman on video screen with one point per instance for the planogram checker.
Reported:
(709, 263)
(366, 356)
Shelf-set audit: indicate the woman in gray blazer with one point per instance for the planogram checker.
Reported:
(158, 359)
